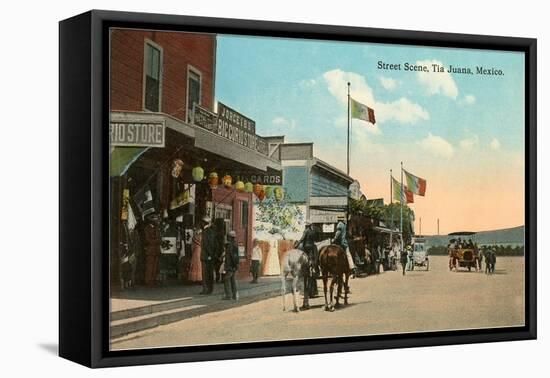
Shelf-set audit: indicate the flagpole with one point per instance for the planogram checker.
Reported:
(401, 207)
(391, 200)
(349, 84)
(391, 187)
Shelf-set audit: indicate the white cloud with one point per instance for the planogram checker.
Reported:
(283, 122)
(402, 110)
(388, 83)
(469, 99)
(495, 144)
(437, 146)
(437, 82)
(308, 83)
(470, 143)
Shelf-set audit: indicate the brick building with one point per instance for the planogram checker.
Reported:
(162, 71)
(162, 117)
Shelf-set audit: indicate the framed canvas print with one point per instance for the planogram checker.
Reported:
(234, 188)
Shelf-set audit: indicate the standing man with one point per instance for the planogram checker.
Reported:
(256, 261)
(208, 256)
(340, 238)
(308, 245)
(231, 265)
(151, 243)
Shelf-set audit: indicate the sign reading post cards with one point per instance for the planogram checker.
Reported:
(137, 134)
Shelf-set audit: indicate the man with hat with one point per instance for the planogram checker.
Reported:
(151, 244)
(208, 255)
(340, 238)
(307, 243)
(231, 265)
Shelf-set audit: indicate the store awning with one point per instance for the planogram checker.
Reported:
(122, 157)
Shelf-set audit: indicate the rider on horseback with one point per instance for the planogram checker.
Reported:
(340, 239)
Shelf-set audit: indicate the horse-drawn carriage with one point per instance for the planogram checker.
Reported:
(463, 253)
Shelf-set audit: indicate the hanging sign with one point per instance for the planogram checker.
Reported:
(231, 125)
(137, 134)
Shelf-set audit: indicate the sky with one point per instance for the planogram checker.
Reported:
(463, 133)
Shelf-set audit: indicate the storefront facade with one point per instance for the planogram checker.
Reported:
(322, 189)
(173, 156)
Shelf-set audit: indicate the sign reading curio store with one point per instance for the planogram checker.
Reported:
(231, 125)
(137, 134)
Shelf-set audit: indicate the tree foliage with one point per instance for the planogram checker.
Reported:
(281, 216)
(389, 214)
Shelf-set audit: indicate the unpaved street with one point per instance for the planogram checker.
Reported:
(387, 303)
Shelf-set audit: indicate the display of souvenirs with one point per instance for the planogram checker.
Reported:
(125, 204)
(180, 200)
(177, 167)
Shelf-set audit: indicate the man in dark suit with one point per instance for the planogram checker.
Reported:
(231, 266)
(208, 256)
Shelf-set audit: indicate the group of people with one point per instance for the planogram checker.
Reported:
(307, 244)
(459, 243)
(218, 263)
(221, 262)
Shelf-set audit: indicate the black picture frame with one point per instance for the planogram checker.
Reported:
(83, 204)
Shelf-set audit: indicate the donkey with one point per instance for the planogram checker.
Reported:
(295, 263)
(333, 261)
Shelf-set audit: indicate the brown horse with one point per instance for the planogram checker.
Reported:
(333, 261)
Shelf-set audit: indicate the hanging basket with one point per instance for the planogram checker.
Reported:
(258, 188)
(261, 195)
(279, 193)
(213, 180)
(227, 181)
(197, 173)
(240, 186)
(268, 191)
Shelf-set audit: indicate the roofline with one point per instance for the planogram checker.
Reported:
(324, 165)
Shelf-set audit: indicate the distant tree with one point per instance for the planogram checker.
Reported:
(389, 214)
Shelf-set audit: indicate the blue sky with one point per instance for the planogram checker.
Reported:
(440, 125)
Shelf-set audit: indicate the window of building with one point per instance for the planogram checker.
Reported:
(193, 91)
(153, 72)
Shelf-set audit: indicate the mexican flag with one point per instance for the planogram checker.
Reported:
(361, 111)
(415, 184)
(399, 196)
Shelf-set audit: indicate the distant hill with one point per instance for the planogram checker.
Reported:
(508, 236)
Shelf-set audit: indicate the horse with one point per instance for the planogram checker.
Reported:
(333, 261)
(296, 263)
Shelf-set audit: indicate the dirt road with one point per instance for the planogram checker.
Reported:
(386, 303)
